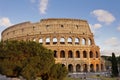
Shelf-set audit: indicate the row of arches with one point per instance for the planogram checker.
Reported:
(77, 54)
(85, 68)
(62, 40)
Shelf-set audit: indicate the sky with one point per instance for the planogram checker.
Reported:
(103, 16)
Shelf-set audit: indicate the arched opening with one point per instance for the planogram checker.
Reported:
(78, 68)
(63, 65)
(97, 67)
(55, 53)
(69, 40)
(77, 41)
(91, 54)
(34, 39)
(91, 68)
(85, 68)
(77, 54)
(54, 40)
(62, 40)
(62, 54)
(84, 54)
(97, 54)
(70, 54)
(70, 68)
(102, 67)
(83, 41)
(47, 41)
(40, 41)
(89, 42)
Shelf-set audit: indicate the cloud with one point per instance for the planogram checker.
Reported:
(110, 45)
(95, 27)
(103, 16)
(112, 42)
(118, 28)
(109, 52)
(5, 22)
(43, 6)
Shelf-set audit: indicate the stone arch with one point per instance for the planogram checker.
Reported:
(85, 68)
(77, 54)
(63, 65)
(89, 41)
(91, 54)
(102, 67)
(62, 40)
(70, 68)
(70, 54)
(54, 40)
(47, 40)
(69, 40)
(84, 54)
(97, 67)
(91, 68)
(83, 41)
(78, 68)
(97, 55)
(77, 40)
(40, 40)
(34, 39)
(55, 53)
(62, 54)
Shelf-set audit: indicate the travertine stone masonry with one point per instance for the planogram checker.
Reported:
(71, 40)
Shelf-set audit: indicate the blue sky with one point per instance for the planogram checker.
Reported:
(103, 17)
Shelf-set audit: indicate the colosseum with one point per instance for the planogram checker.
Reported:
(71, 40)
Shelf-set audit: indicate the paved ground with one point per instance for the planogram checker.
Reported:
(85, 76)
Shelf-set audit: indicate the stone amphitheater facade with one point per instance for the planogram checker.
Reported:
(71, 40)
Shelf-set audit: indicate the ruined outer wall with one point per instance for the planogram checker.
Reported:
(70, 39)
(47, 26)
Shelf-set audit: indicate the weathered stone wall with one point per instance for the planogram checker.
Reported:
(71, 40)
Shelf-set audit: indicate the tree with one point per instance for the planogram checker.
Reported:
(57, 72)
(114, 66)
(118, 59)
(26, 59)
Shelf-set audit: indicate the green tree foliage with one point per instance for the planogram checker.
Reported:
(114, 66)
(27, 59)
(57, 72)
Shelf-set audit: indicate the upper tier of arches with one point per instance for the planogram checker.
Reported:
(64, 40)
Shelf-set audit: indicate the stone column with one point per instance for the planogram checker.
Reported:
(80, 41)
(99, 67)
(58, 53)
(58, 40)
(88, 56)
(44, 41)
(94, 67)
(86, 41)
(74, 53)
(51, 40)
(81, 55)
(37, 40)
(73, 41)
(66, 53)
(82, 67)
(74, 68)
(88, 67)
(66, 40)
